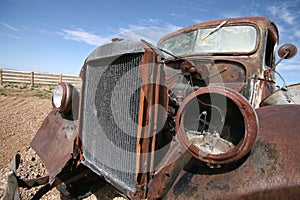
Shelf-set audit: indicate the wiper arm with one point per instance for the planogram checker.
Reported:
(154, 47)
(177, 57)
(215, 30)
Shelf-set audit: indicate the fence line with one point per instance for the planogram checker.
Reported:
(32, 78)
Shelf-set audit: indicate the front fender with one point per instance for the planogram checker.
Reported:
(270, 171)
(54, 142)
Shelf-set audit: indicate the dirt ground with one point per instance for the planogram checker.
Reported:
(22, 111)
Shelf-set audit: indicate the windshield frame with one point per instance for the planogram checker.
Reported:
(196, 29)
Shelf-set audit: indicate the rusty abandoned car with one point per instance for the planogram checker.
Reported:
(198, 116)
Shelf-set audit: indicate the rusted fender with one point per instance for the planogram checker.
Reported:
(54, 142)
(270, 171)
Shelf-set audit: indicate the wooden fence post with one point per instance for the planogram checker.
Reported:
(60, 77)
(1, 81)
(32, 79)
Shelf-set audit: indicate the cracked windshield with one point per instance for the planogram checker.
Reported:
(230, 39)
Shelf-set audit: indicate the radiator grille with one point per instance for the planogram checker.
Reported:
(110, 142)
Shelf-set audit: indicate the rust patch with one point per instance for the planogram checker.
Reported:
(54, 142)
(270, 171)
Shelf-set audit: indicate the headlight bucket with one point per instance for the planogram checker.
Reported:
(62, 97)
(239, 125)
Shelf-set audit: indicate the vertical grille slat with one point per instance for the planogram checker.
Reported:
(109, 141)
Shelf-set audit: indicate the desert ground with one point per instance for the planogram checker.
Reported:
(22, 110)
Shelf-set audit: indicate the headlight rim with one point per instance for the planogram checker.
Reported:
(66, 99)
(241, 149)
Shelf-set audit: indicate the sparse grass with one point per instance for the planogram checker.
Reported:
(43, 95)
(37, 86)
(22, 87)
(6, 85)
(41, 91)
(39, 95)
(48, 90)
(2, 92)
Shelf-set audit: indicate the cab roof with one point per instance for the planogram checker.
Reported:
(261, 22)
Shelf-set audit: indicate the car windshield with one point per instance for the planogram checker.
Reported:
(228, 39)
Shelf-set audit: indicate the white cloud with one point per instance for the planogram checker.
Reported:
(12, 28)
(14, 36)
(150, 34)
(232, 15)
(196, 21)
(150, 30)
(283, 12)
(81, 35)
(153, 20)
(281, 28)
(289, 70)
(287, 17)
(297, 33)
(273, 9)
(132, 32)
(147, 32)
(288, 67)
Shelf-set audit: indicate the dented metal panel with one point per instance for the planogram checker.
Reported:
(54, 142)
(288, 95)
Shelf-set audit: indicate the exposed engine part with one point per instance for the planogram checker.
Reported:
(210, 142)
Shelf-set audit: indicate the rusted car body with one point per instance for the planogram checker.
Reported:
(196, 117)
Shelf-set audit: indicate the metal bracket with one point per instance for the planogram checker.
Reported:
(12, 191)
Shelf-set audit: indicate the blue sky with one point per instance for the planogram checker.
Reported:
(55, 36)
